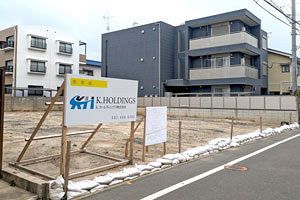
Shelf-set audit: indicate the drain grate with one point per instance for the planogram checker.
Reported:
(236, 167)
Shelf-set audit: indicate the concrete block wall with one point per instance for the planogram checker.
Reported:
(27, 104)
(242, 102)
(271, 108)
(267, 116)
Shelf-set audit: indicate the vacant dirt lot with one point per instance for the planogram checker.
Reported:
(110, 139)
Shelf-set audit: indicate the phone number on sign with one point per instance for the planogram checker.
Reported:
(118, 117)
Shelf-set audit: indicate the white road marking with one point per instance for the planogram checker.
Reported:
(213, 171)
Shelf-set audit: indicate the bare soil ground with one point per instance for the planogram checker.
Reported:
(110, 139)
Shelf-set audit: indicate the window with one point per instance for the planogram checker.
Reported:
(265, 67)
(62, 93)
(65, 69)
(181, 41)
(10, 41)
(86, 72)
(9, 66)
(220, 29)
(37, 66)
(285, 68)
(65, 48)
(8, 89)
(35, 90)
(248, 60)
(264, 43)
(37, 42)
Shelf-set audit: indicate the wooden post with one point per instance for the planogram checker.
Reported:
(126, 148)
(131, 143)
(179, 137)
(90, 137)
(63, 150)
(2, 89)
(41, 121)
(231, 131)
(260, 124)
(67, 169)
(63, 136)
(144, 140)
(290, 117)
(165, 148)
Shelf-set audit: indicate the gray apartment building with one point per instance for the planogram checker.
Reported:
(224, 54)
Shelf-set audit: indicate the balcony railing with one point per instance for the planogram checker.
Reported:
(7, 45)
(223, 40)
(8, 69)
(223, 72)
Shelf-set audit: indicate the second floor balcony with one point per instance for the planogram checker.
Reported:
(7, 45)
(220, 68)
(223, 40)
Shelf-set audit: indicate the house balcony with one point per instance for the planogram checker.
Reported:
(224, 72)
(7, 46)
(223, 40)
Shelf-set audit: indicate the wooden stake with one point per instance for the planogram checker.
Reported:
(63, 150)
(231, 131)
(64, 131)
(260, 124)
(41, 121)
(144, 140)
(179, 138)
(128, 140)
(90, 137)
(131, 142)
(290, 118)
(67, 170)
(2, 84)
(126, 148)
(165, 148)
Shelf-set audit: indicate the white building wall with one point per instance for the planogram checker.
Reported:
(50, 79)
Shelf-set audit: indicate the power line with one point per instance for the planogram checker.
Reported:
(281, 11)
(256, 1)
(286, 23)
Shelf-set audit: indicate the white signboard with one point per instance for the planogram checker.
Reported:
(91, 100)
(156, 125)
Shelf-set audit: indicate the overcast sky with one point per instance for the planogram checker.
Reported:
(83, 19)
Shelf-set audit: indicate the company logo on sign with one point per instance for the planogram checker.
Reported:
(82, 102)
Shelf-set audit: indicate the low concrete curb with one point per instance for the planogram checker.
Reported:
(27, 182)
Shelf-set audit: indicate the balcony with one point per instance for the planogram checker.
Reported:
(223, 40)
(224, 72)
(7, 45)
(8, 69)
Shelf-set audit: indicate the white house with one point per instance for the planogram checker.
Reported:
(41, 56)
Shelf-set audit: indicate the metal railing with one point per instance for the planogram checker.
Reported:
(229, 33)
(7, 44)
(20, 91)
(219, 63)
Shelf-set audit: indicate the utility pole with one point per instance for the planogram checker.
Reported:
(293, 66)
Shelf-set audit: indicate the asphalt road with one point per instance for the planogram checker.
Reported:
(271, 175)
